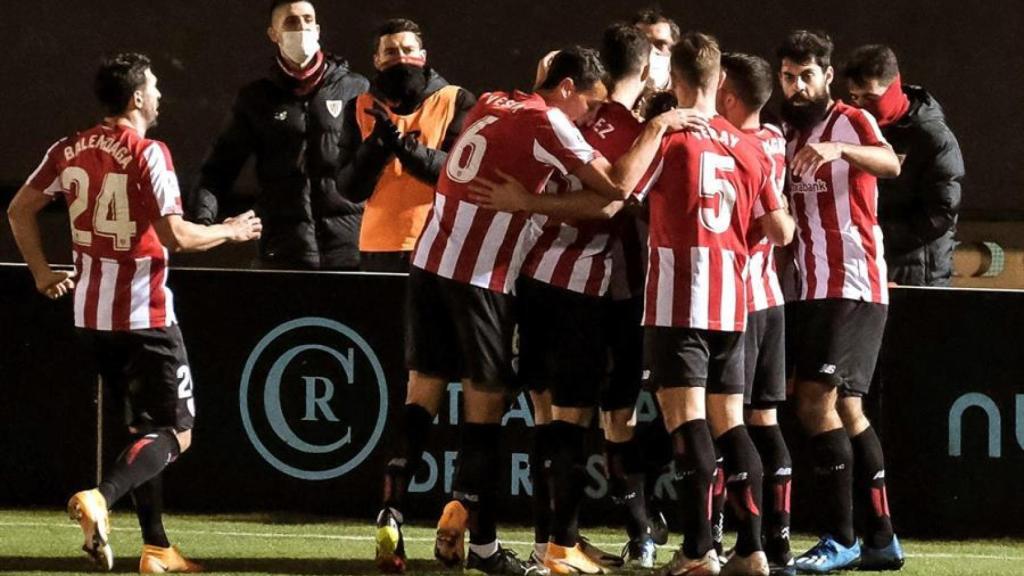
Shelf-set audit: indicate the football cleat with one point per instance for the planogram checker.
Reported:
(659, 528)
(450, 541)
(889, 558)
(681, 565)
(828, 555)
(641, 551)
(89, 509)
(390, 556)
(157, 560)
(570, 560)
(598, 556)
(780, 559)
(504, 562)
(756, 564)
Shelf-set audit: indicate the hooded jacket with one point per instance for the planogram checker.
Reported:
(918, 210)
(307, 164)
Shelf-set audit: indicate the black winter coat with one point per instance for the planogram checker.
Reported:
(918, 210)
(306, 163)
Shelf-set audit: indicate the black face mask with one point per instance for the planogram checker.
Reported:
(404, 84)
(806, 115)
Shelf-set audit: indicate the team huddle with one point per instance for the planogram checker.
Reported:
(613, 230)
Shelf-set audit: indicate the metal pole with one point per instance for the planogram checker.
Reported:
(99, 429)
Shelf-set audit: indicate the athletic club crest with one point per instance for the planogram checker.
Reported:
(334, 107)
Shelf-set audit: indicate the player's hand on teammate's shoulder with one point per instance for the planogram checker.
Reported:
(55, 283)
(680, 119)
(506, 195)
(813, 156)
(246, 226)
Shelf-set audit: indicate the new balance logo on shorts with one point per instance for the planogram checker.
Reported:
(827, 369)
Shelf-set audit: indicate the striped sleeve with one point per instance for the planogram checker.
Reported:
(560, 144)
(865, 126)
(769, 195)
(159, 179)
(46, 176)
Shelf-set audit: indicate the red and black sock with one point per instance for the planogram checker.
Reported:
(568, 462)
(475, 480)
(718, 493)
(626, 479)
(540, 477)
(694, 458)
(149, 507)
(744, 477)
(833, 471)
(144, 458)
(869, 485)
(416, 424)
(778, 468)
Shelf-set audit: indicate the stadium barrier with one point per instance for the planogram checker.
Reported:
(299, 379)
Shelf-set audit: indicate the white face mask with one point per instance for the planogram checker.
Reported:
(300, 46)
(658, 73)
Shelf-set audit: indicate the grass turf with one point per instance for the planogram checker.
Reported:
(45, 541)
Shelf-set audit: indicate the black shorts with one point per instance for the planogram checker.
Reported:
(764, 350)
(148, 371)
(459, 331)
(836, 342)
(625, 337)
(561, 343)
(688, 357)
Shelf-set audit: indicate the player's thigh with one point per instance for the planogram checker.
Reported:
(765, 362)
(485, 325)
(165, 391)
(431, 341)
(816, 350)
(859, 340)
(676, 366)
(625, 338)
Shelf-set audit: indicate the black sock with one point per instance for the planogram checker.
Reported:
(778, 469)
(626, 480)
(869, 483)
(416, 424)
(149, 507)
(744, 477)
(833, 470)
(718, 494)
(694, 456)
(476, 481)
(540, 477)
(568, 460)
(146, 457)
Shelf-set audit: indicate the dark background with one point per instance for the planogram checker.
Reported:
(966, 53)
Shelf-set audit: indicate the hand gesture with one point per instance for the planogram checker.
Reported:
(813, 156)
(244, 227)
(505, 196)
(53, 284)
(384, 130)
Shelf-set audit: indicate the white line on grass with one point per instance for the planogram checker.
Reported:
(347, 538)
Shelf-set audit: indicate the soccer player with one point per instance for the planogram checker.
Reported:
(125, 210)
(706, 192)
(836, 152)
(460, 317)
(747, 87)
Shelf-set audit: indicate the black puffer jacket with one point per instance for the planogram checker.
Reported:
(306, 161)
(918, 211)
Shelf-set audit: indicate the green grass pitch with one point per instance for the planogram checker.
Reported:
(46, 542)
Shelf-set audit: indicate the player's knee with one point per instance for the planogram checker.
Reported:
(617, 425)
(851, 412)
(184, 440)
(762, 417)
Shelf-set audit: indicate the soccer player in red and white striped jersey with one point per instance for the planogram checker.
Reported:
(835, 154)
(747, 87)
(706, 191)
(125, 212)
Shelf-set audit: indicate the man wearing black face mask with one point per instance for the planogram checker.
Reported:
(413, 114)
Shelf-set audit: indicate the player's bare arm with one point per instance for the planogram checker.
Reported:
(508, 195)
(878, 160)
(617, 181)
(23, 216)
(778, 226)
(180, 235)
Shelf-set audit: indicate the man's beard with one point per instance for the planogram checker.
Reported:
(403, 84)
(804, 116)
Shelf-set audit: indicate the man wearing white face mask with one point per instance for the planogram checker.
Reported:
(300, 124)
(663, 33)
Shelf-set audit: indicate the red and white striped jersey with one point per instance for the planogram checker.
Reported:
(763, 288)
(839, 243)
(520, 135)
(116, 184)
(575, 255)
(703, 193)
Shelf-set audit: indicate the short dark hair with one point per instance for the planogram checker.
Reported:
(624, 51)
(652, 16)
(696, 58)
(871, 62)
(750, 78)
(118, 79)
(394, 26)
(806, 47)
(581, 64)
(275, 4)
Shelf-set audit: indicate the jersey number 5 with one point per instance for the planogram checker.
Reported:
(110, 217)
(717, 195)
(464, 160)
